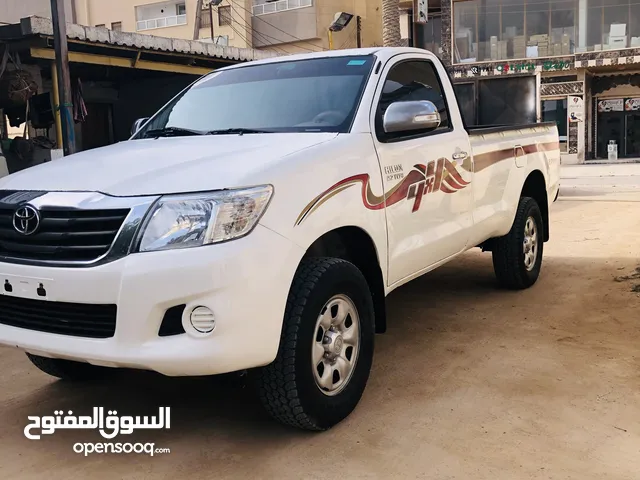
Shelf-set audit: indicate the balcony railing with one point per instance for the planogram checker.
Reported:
(161, 22)
(280, 6)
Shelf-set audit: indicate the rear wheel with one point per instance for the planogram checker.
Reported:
(67, 369)
(326, 347)
(517, 256)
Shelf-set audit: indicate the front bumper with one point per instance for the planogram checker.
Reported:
(244, 282)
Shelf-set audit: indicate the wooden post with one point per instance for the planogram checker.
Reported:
(359, 31)
(56, 103)
(63, 76)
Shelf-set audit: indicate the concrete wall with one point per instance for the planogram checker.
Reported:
(370, 12)
(299, 23)
(11, 11)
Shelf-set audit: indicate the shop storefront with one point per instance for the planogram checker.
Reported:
(618, 126)
(572, 62)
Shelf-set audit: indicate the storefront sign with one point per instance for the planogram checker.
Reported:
(556, 65)
(632, 104)
(611, 105)
(575, 109)
(530, 66)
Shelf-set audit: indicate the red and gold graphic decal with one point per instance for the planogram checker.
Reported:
(438, 175)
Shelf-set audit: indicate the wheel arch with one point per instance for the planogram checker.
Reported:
(535, 187)
(356, 246)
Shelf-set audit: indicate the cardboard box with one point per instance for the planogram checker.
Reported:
(532, 51)
(618, 42)
(618, 30)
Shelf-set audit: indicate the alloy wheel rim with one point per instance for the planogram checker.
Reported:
(336, 345)
(530, 243)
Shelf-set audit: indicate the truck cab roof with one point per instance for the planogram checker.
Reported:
(383, 53)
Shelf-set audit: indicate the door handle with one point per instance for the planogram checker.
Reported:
(521, 158)
(459, 155)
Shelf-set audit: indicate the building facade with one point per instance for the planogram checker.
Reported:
(574, 62)
(11, 11)
(284, 26)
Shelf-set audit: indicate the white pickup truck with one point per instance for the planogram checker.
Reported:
(258, 221)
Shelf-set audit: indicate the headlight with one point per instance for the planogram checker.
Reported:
(183, 221)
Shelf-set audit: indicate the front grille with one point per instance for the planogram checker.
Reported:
(75, 319)
(64, 234)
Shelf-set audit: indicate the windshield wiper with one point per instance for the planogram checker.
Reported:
(238, 131)
(172, 132)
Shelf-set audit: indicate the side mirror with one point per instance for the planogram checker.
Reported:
(137, 124)
(412, 115)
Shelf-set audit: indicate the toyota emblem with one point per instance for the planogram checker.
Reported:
(26, 220)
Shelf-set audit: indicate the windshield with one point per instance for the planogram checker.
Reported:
(315, 95)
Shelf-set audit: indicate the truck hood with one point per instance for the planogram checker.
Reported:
(165, 165)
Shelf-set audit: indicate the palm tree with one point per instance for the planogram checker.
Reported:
(391, 23)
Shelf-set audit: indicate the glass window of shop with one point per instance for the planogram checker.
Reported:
(430, 35)
(611, 25)
(490, 30)
(507, 101)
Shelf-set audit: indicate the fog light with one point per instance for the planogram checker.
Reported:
(202, 320)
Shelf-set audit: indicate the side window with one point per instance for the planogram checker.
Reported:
(412, 80)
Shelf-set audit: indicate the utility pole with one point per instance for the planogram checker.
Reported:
(196, 26)
(213, 39)
(63, 77)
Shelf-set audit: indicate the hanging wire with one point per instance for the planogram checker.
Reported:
(257, 17)
(265, 37)
(244, 24)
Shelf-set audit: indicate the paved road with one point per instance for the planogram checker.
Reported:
(616, 182)
(470, 382)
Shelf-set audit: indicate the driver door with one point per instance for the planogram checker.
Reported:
(427, 174)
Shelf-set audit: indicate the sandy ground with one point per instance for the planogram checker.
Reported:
(470, 382)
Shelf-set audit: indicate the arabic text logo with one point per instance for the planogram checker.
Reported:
(109, 426)
(26, 220)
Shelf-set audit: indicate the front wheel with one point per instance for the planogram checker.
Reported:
(517, 256)
(326, 347)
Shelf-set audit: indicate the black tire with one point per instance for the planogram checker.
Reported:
(287, 387)
(508, 252)
(67, 369)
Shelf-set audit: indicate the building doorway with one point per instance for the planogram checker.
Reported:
(618, 121)
(632, 129)
(555, 110)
